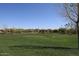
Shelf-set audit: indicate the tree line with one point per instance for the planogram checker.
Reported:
(60, 30)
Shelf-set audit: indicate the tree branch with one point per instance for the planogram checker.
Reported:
(68, 15)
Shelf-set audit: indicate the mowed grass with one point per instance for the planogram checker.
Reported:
(38, 44)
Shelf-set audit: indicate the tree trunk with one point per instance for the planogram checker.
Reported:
(78, 26)
(78, 34)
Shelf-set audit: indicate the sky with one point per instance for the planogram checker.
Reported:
(32, 15)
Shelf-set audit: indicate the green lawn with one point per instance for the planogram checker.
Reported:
(32, 44)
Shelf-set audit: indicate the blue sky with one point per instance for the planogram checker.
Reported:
(32, 15)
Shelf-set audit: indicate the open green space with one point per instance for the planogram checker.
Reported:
(38, 44)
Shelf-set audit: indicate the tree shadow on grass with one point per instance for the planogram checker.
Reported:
(36, 47)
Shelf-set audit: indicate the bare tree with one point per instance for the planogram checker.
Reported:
(72, 12)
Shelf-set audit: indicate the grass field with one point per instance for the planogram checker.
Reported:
(35, 44)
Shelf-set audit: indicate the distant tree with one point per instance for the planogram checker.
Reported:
(55, 31)
(62, 30)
